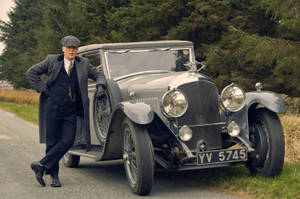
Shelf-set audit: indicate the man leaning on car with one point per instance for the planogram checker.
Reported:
(63, 98)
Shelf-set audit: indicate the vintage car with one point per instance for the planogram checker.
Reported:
(160, 111)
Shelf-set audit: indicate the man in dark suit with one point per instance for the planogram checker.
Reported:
(64, 97)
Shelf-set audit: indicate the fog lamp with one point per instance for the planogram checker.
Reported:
(233, 129)
(185, 133)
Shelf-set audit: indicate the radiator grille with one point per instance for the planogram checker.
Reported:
(203, 109)
(203, 103)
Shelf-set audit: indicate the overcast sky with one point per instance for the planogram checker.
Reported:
(5, 7)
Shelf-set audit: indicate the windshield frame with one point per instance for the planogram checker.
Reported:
(135, 50)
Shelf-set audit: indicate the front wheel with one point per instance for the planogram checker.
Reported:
(138, 157)
(267, 138)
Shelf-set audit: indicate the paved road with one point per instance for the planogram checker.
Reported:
(19, 147)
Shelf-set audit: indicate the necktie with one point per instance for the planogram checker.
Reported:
(70, 68)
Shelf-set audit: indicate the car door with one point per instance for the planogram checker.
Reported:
(95, 60)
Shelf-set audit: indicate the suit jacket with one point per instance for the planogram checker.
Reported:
(51, 67)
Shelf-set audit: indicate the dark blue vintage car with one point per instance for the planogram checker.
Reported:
(159, 110)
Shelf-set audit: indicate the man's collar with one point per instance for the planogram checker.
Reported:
(61, 58)
(66, 60)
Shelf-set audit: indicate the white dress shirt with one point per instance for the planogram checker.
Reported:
(67, 64)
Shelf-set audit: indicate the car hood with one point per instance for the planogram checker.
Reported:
(155, 85)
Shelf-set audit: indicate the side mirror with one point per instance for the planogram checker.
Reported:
(201, 65)
(198, 63)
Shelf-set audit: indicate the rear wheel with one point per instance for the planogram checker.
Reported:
(266, 137)
(138, 157)
(71, 161)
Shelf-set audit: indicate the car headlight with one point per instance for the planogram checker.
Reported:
(174, 103)
(233, 98)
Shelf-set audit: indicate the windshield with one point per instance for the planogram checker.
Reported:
(124, 62)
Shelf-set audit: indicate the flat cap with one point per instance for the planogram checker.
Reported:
(70, 41)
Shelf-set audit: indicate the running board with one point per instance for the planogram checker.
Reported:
(95, 150)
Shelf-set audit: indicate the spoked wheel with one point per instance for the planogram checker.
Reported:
(138, 157)
(102, 113)
(71, 161)
(267, 138)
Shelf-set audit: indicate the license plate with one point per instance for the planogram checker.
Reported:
(221, 156)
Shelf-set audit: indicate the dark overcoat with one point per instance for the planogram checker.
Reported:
(51, 67)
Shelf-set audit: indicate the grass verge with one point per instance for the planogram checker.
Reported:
(291, 127)
(238, 181)
(234, 180)
(25, 111)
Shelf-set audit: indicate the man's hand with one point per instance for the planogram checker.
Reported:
(46, 93)
(100, 92)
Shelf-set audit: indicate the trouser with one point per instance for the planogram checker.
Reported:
(60, 134)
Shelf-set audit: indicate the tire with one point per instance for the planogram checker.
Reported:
(71, 161)
(138, 157)
(267, 138)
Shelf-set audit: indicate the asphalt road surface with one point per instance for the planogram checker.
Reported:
(19, 147)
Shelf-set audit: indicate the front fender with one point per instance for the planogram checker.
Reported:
(139, 113)
(268, 99)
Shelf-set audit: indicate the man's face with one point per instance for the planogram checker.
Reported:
(70, 52)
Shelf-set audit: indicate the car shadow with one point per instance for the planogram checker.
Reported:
(165, 183)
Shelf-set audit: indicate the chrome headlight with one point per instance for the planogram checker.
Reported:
(174, 103)
(233, 98)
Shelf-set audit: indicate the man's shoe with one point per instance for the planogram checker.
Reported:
(55, 182)
(39, 171)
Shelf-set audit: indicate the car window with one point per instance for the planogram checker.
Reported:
(94, 59)
(125, 62)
